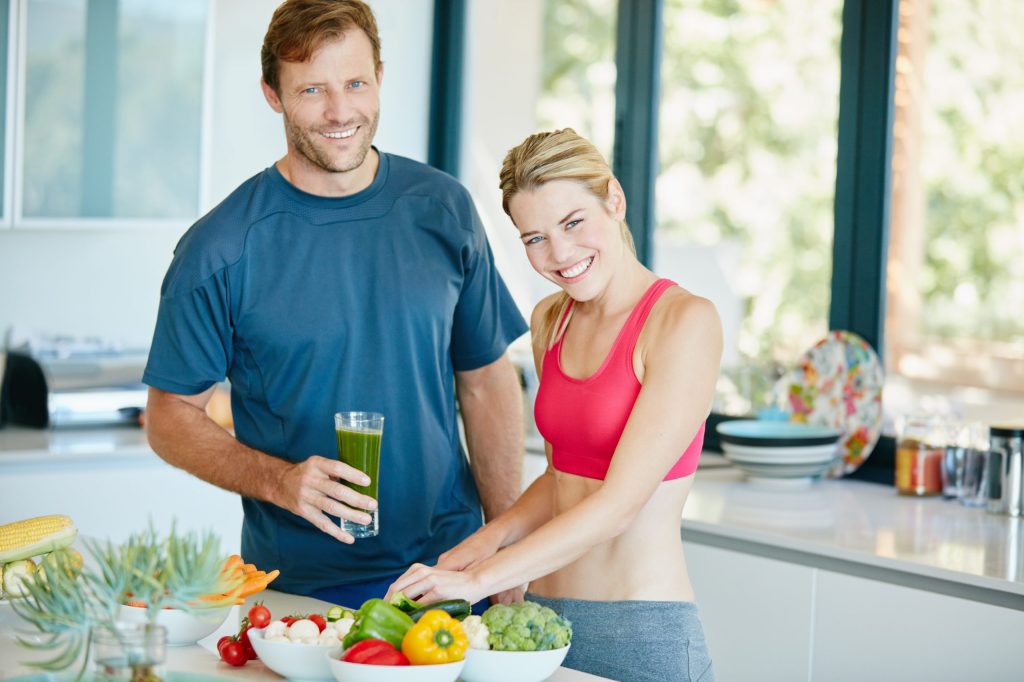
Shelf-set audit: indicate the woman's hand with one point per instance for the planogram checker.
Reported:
(431, 584)
(477, 547)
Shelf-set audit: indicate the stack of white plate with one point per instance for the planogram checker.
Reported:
(777, 450)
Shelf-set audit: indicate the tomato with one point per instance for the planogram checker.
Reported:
(288, 620)
(222, 641)
(243, 637)
(320, 621)
(234, 654)
(259, 616)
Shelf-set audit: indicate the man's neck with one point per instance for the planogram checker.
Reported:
(314, 180)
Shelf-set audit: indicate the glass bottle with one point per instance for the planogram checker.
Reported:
(919, 453)
(132, 652)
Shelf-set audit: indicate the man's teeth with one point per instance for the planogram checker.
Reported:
(578, 269)
(342, 135)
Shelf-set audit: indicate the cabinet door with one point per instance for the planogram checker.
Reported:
(867, 630)
(756, 613)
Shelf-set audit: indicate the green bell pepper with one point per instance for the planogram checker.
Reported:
(377, 619)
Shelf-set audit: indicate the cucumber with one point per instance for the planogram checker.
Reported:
(456, 608)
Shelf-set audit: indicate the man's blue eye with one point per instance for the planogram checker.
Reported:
(357, 84)
(311, 91)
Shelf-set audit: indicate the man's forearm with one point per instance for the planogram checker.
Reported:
(490, 401)
(185, 437)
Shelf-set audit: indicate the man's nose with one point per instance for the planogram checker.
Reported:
(338, 109)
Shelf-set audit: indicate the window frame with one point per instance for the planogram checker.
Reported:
(12, 216)
(863, 167)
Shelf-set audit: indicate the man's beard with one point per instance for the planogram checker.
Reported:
(303, 139)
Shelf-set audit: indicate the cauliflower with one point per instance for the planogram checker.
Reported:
(526, 626)
(275, 631)
(342, 626)
(304, 630)
(476, 632)
(328, 637)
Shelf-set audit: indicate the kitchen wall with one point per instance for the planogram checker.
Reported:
(106, 283)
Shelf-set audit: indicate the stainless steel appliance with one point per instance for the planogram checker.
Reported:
(49, 389)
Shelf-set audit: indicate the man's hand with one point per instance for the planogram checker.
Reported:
(311, 489)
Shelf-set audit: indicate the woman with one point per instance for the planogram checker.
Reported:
(627, 365)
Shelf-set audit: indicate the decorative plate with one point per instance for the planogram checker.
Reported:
(838, 383)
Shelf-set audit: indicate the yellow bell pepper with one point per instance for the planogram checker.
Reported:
(436, 638)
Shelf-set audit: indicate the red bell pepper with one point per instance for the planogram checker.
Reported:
(374, 652)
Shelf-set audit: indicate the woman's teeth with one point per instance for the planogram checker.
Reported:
(577, 270)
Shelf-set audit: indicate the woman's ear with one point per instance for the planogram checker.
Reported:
(616, 200)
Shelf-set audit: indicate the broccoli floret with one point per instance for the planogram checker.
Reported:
(526, 626)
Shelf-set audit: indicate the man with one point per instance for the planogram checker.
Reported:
(340, 278)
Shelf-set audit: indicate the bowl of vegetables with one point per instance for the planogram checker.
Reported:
(522, 642)
(296, 647)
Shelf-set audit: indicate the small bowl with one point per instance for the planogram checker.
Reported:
(512, 666)
(291, 659)
(344, 671)
(183, 629)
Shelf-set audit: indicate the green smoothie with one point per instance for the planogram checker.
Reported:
(361, 449)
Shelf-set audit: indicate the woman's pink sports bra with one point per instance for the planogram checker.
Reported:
(583, 419)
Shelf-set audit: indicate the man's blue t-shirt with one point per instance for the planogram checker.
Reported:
(313, 305)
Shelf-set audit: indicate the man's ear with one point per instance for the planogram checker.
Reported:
(272, 98)
(616, 200)
(380, 74)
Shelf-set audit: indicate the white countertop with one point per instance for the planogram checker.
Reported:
(21, 445)
(849, 524)
(202, 659)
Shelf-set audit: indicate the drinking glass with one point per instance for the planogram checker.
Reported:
(974, 483)
(359, 436)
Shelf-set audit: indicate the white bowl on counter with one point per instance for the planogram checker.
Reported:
(776, 452)
(294, 660)
(343, 671)
(512, 666)
(183, 629)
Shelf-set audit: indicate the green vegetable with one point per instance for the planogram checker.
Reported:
(526, 626)
(402, 602)
(377, 619)
(456, 608)
(336, 613)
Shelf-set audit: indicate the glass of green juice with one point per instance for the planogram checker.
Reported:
(359, 435)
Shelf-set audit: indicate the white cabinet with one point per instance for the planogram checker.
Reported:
(757, 613)
(870, 630)
(768, 619)
(114, 497)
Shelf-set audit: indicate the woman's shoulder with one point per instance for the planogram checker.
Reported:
(681, 314)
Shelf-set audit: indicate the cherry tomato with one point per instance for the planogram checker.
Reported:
(320, 621)
(243, 637)
(288, 620)
(234, 654)
(259, 616)
(222, 641)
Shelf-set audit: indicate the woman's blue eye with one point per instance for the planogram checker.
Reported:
(534, 240)
(573, 223)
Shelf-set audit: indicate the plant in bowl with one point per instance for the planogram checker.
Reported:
(77, 609)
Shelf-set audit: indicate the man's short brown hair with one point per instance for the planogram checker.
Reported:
(299, 27)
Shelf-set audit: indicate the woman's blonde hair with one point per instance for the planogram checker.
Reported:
(556, 155)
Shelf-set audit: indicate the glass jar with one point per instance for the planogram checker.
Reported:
(919, 452)
(133, 652)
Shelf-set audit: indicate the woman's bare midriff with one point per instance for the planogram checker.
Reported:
(645, 562)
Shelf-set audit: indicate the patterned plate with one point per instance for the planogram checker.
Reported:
(838, 383)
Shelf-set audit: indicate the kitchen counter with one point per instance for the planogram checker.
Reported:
(203, 659)
(863, 529)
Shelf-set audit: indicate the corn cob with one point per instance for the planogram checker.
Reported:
(24, 539)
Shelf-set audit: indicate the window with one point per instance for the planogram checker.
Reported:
(109, 117)
(532, 66)
(744, 197)
(954, 326)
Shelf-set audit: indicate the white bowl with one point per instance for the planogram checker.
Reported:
(512, 666)
(291, 659)
(781, 455)
(344, 671)
(183, 628)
